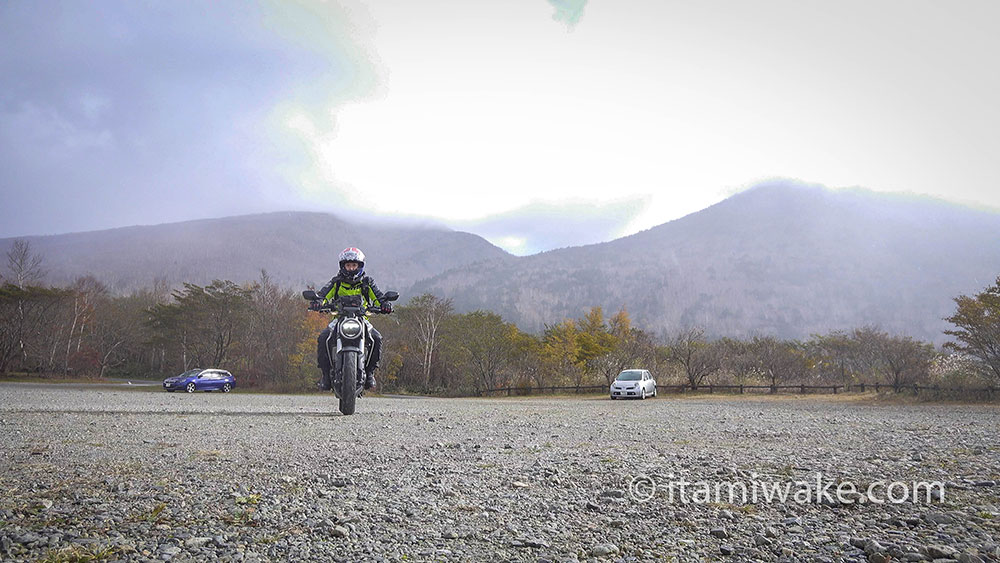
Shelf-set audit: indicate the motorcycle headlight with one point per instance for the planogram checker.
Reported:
(350, 329)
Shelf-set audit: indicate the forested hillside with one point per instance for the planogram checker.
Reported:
(782, 260)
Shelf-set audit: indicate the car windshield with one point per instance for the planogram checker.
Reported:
(630, 376)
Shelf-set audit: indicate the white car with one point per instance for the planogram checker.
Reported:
(635, 383)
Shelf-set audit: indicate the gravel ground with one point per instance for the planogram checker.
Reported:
(152, 476)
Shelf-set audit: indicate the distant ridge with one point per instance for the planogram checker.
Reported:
(296, 248)
(783, 258)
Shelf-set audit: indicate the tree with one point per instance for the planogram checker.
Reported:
(301, 369)
(593, 338)
(978, 332)
(832, 356)
(116, 322)
(631, 347)
(24, 272)
(526, 358)
(274, 330)
(777, 360)
(426, 312)
(25, 266)
(203, 322)
(559, 354)
(692, 351)
(26, 320)
(86, 290)
(738, 359)
(904, 360)
(489, 344)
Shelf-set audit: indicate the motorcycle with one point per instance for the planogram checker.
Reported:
(347, 343)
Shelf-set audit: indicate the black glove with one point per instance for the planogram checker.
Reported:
(386, 308)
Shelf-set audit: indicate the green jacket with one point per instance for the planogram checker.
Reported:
(365, 287)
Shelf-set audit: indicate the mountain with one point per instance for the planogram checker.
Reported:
(783, 259)
(296, 248)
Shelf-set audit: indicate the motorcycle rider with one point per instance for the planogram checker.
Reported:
(351, 280)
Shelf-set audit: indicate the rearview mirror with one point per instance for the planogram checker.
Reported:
(310, 294)
(390, 296)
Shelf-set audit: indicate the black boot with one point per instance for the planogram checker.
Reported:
(370, 378)
(323, 360)
(324, 382)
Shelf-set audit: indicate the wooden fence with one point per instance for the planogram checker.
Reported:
(988, 393)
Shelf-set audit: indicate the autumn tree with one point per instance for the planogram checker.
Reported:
(904, 360)
(593, 340)
(977, 322)
(830, 355)
(777, 360)
(630, 347)
(559, 353)
(526, 362)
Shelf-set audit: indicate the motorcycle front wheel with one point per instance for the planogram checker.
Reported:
(349, 382)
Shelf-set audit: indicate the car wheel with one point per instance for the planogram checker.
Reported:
(227, 388)
(613, 397)
(190, 387)
(642, 394)
(654, 390)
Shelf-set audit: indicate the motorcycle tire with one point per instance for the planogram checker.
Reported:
(349, 383)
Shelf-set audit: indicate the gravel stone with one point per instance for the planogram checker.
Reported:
(604, 549)
(151, 476)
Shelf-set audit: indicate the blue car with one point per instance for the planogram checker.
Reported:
(201, 380)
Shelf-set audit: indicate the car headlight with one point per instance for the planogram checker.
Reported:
(350, 328)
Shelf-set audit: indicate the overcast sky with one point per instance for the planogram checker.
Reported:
(534, 123)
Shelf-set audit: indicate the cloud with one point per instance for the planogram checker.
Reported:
(118, 113)
(546, 226)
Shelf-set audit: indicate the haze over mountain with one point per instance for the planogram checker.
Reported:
(782, 259)
(296, 249)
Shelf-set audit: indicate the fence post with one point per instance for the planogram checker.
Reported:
(741, 388)
(802, 389)
(711, 388)
(834, 389)
(508, 392)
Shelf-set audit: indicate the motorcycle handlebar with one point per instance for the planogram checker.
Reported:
(332, 309)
